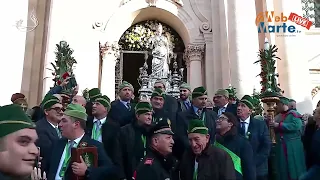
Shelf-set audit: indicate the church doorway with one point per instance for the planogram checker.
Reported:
(134, 44)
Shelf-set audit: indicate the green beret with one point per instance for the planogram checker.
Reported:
(104, 100)
(248, 101)
(185, 86)
(76, 111)
(230, 93)
(48, 101)
(197, 126)
(126, 84)
(199, 91)
(143, 107)
(94, 93)
(222, 92)
(284, 100)
(158, 92)
(12, 119)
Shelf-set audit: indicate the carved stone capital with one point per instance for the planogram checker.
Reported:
(110, 49)
(194, 52)
(205, 27)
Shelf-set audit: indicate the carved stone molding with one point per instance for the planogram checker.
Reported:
(205, 27)
(194, 52)
(108, 49)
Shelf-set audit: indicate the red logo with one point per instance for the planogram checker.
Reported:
(299, 20)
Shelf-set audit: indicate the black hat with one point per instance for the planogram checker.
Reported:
(162, 127)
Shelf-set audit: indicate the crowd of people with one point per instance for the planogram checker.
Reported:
(158, 139)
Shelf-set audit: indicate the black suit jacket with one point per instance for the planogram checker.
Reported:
(47, 136)
(102, 172)
(110, 134)
(120, 113)
(232, 108)
(259, 139)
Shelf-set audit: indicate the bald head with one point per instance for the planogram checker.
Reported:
(79, 100)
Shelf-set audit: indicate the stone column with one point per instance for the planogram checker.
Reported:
(110, 54)
(194, 54)
(243, 46)
(209, 60)
(36, 42)
(293, 68)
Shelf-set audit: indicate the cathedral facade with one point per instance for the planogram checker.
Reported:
(221, 39)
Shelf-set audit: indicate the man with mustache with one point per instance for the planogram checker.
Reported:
(204, 161)
(184, 102)
(47, 127)
(18, 151)
(133, 139)
(122, 110)
(157, 165)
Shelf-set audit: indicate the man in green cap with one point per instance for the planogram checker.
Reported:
(122, 110)
(170, 104)
(133, 139)
(47, 127)
(18, 151)
(289, 148)
(184, 102)
(73, 126)
(158, 98)
(157, 164)
(221, 102)
(204, 161)
(256, 131)
(102, 128)
(197, 111)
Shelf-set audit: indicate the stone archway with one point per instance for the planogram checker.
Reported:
(132, 13)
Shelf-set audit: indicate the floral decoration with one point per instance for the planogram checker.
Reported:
(258, 108)
(136, 38)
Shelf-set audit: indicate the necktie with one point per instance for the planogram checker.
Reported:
(188, 105)
(58, 131)
(96, 130)
(128, 106)
(221, 110)
(67, 157)
(199, 112)
(243, 128)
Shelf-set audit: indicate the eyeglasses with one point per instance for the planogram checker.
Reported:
(221, 118)
(57, 109)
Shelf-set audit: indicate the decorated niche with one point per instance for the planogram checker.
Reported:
(136, 38)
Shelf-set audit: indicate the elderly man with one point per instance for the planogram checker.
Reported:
(184, 102)
(256, 131)
(204, 161)
(121, 109)
(47, 127)
(79, 100)
(197, 111)
(18, 151)
(133, 139)
(156, 165)
(289, 149)
(170, 104)
(72, 127)
(221, 102)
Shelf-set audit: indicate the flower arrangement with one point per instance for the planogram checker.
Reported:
(232, 92)
(63, 67)
(136, 38)
(267, 60)
(258, 108)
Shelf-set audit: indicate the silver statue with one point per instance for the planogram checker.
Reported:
(160, 52)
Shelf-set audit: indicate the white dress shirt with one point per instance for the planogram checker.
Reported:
(102, 121)
(222, 109)
(246, 124)
(63, 154)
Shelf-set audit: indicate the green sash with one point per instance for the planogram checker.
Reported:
(67, 157)
(236, 159)
(144, 141)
